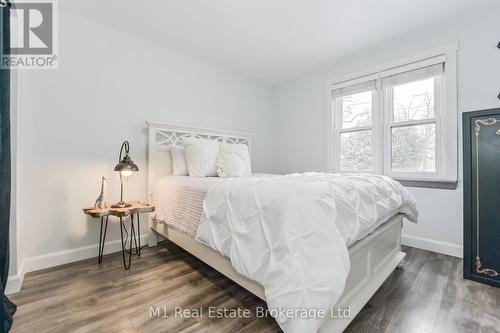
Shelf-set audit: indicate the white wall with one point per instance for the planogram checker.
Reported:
(73, 120)
(301, 114)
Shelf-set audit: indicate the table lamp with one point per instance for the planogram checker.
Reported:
(125, 167)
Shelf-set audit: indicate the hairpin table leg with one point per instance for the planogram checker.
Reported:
(138, 249)
(102, 238)
(133, 236)
(122, 226)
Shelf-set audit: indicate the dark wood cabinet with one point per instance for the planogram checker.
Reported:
(481, 136)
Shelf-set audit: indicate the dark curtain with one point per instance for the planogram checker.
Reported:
(7, 308)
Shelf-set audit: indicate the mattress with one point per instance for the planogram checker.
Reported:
(179, 201)
(179, 204)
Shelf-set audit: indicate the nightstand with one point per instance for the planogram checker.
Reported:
(134, 210)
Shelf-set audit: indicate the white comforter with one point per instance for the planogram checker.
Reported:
(290, 234)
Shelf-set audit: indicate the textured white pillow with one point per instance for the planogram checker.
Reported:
(179, 165)
(230, 165)
(238, 149)
(201, 155)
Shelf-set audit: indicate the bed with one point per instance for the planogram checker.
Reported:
(372, 257)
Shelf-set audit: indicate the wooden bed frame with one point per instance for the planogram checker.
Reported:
(373, 258)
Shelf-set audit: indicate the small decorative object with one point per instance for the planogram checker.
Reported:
(125, 167)
(101, 199)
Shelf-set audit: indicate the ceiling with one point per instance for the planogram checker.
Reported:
(275, 40)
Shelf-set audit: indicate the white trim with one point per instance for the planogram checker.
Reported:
(448, 49)
(15, 237)
(64, 257)
(15, 282)
(330, 131)
(429, 62)
(359, 80)
(36, 263)
(450, 249)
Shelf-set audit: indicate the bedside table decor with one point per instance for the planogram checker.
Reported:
(101, 199)
(134, 209)
(125, 167)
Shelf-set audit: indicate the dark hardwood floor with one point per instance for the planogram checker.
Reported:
(427, 295)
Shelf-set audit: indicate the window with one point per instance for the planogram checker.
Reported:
(399, 121)
(412, 103)
(356, 105)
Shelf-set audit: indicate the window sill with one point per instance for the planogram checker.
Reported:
(444, 185)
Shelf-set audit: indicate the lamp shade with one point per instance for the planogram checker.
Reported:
(125, 167)
(126, 164)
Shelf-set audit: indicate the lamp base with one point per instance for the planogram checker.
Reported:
(121, 204)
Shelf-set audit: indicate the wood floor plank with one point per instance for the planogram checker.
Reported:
(428, 295)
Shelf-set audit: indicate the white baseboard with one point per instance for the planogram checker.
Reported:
(14, 282)
(433, 245)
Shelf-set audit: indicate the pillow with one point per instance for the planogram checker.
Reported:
(201, 155)
(230, 165)
(179, 165)
(238, 149)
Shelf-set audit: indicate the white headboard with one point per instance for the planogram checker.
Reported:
(161, 135)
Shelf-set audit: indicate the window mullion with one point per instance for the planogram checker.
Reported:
(338, 125)
(378, 132)
(440, 141)
(387, 139)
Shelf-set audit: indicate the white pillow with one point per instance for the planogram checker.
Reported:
(230, 165)
(238, 149)
(179, 164)
(201, 155)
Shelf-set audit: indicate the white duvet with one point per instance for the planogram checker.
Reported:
(291, 233)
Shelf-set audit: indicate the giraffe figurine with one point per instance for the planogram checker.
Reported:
(101, 200)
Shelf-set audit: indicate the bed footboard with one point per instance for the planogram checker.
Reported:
(373, 259)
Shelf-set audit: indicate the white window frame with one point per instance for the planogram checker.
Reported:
(446, 118)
